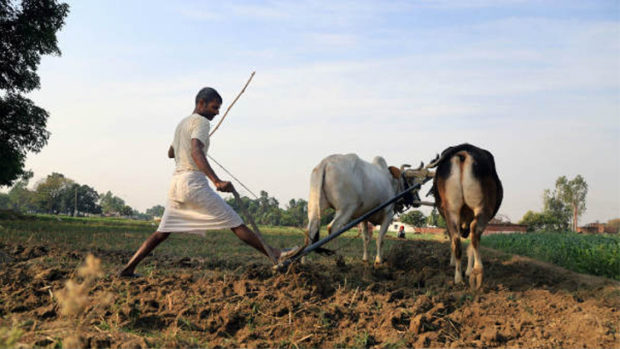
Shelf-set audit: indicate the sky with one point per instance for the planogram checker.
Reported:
(537, 83)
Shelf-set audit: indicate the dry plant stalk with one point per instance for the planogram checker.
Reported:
(74, 299)
(92, 268)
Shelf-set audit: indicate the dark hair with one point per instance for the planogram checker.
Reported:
(207, 94)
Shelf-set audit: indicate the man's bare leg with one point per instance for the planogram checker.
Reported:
(147, 246)
(255, 240)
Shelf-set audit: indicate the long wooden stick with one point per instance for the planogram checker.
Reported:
(231, 104)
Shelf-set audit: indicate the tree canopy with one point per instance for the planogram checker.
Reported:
(112, 204)
(565, 201)
(573, 193)
(27, 31)
(54, 194)
(414, 218)
(155, 211)
(435, 219)
(265, 210)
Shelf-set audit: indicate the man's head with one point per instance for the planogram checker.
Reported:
(208, 103)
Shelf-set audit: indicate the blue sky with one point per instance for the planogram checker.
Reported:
(535, 82)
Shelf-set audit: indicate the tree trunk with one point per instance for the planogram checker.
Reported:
(575, 218)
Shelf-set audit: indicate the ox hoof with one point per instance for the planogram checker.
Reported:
(458, 279)
(475, 279)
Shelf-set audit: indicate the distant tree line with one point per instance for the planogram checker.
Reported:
(266, 210)
(57, 194)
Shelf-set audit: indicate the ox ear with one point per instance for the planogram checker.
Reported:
(394, 171)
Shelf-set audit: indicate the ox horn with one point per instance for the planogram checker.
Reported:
(403, 167)
(420, 172)
(434, 162)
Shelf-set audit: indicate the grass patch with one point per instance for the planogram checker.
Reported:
(590, 254)
(126, 235)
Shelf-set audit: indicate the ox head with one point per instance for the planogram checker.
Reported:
(405, 179)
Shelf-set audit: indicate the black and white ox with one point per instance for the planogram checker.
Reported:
(353, 187)
(468, 194)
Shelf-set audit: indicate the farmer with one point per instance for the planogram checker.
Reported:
(193, 207)
(401, 232)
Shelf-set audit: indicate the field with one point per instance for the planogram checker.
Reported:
(590, 254)
(214, 291)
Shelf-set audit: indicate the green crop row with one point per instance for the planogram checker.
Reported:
(591, 254)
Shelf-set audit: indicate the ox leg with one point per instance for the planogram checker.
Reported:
(473, 252)
(470, 259)
(380, 235)
(456, 251)
(366, 236)
(452, 259)
(341, 218)
(455, 237)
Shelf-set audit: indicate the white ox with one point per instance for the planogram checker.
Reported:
(352, 187)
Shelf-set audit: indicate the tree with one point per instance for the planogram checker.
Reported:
(87, 198)
(27, 31)
(112, 204)
(556, 213)
(544, 221)
(414, 218)
(5, 202)
(155, 211)
(296, 213)
(435, 219)
(126, 211)
(50, 194)
(20, 198)
(573, 194)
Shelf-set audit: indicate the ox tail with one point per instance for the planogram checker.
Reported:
(316, 202)
(464, 166)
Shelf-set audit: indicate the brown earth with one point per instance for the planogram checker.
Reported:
(408, 302)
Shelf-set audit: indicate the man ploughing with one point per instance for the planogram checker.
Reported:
(193, 207)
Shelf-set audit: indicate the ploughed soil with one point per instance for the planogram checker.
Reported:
(410, 301)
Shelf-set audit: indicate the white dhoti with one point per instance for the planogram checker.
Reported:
(193, 207)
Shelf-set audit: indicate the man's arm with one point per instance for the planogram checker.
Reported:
(200, 159)
(171, 152)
